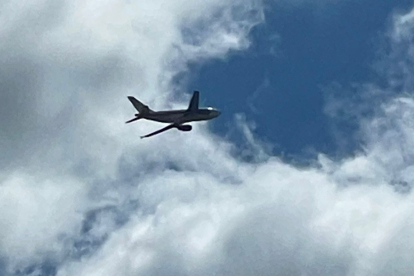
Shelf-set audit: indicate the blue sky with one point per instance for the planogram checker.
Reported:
(295, 55)
(308, 171)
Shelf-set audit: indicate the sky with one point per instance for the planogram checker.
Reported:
(308, 171)
(294, 59)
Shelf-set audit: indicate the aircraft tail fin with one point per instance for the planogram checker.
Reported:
(193, 106)
(142, 108)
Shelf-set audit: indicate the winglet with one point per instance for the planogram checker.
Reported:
(193, 106)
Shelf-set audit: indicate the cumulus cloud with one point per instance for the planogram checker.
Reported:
(80, 195)
(66, 68)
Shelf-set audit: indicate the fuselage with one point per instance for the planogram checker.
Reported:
(181, 116)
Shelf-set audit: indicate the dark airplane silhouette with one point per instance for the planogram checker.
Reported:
(176, 118)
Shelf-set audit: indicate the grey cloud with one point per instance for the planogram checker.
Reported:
(17, 113)
(341, 219)
(64, 78)
(22, 30)
(277, 241)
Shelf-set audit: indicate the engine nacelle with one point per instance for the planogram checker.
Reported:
(185, 127)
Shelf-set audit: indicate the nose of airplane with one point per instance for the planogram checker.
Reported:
(217, 113)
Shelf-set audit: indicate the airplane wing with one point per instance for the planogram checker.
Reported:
(194, 102)
(160, 130)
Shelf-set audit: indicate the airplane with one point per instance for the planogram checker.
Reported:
(176, 118)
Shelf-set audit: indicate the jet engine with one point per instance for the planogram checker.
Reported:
(185, 127)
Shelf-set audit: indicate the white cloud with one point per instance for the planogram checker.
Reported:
(66, 69)
(35, 211)
(178, 204)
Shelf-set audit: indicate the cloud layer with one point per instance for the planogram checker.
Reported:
(80, 195)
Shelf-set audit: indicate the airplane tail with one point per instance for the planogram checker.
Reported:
(142, 108)
(133, 119)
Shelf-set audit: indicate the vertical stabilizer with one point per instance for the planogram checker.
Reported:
(142, 108)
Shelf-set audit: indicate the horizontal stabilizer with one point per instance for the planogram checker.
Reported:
(132, 120)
